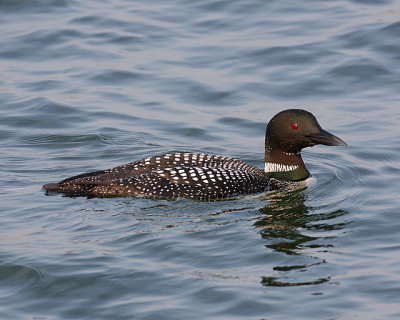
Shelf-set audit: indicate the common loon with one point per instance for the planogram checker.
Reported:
(204, 176)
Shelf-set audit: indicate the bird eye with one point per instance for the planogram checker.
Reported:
(294, 126)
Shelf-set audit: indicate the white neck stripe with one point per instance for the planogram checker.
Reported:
(277, 167)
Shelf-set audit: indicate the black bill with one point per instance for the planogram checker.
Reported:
(326, 138)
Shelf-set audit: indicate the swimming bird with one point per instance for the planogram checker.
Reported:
(207, 177)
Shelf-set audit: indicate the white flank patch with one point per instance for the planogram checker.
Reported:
(278, 167)
(311, 181)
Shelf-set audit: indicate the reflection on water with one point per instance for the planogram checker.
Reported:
(292, 228)
(273, 282)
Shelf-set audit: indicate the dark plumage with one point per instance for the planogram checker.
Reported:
(204, 176)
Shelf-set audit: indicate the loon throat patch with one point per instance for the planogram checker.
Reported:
(278, 167)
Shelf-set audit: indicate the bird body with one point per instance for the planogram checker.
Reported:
(204, 176)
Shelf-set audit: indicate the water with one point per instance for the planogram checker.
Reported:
(88, 85)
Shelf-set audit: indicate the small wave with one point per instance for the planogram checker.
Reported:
(17, 277)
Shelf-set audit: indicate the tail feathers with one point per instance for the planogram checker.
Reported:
(52, 187)
(81, 177)
(81, 184)
(69, 189)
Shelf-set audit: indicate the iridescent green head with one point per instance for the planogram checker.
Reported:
(288, 132)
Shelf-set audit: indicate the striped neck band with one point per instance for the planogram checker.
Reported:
(277, 167)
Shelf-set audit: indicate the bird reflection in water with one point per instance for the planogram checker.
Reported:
(305, 234)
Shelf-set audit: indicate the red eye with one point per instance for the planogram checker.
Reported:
(294, 126)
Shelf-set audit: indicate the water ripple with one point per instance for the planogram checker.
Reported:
(87, 86)
(18, 277)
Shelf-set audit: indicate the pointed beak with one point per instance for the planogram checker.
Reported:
(326, 138)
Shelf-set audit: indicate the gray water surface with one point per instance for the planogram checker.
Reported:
(88, 85)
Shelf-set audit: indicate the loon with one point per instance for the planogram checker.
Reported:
(209, 177)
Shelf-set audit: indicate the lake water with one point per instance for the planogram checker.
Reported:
(88, 85)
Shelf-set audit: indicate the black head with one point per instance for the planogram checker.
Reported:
(295, 129)
(287, 134)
